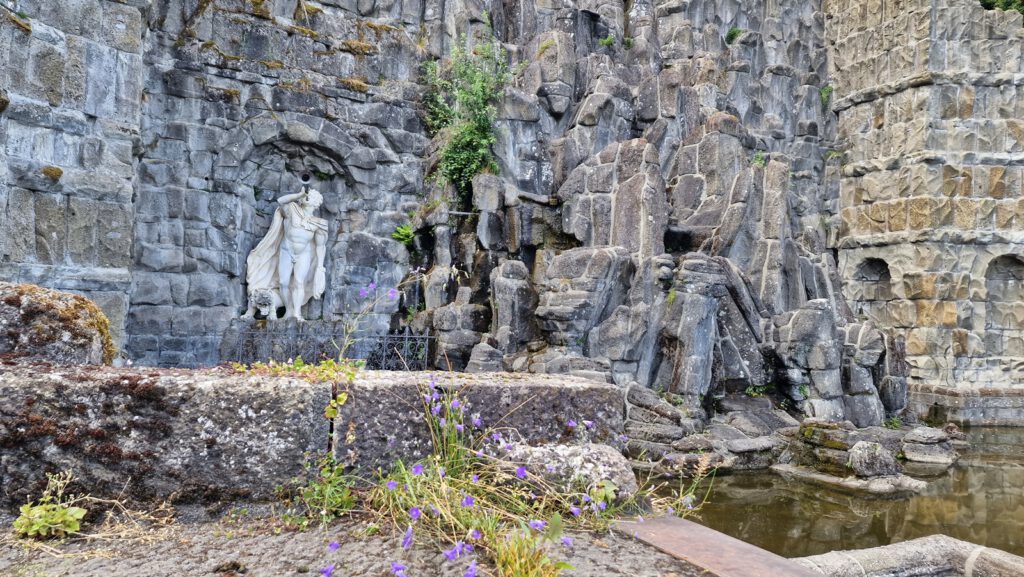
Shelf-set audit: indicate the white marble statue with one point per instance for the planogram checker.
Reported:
(287, 267)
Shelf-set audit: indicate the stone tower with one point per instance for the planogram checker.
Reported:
(931, 240)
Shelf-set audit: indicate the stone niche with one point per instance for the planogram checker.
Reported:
(259, 161)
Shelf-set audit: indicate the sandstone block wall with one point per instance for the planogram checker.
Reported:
(931, 235)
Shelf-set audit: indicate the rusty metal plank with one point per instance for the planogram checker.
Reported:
(717, 553)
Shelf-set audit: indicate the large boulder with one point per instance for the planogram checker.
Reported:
(48, 325)
(576, 467)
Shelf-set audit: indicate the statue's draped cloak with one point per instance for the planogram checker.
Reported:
(262, 263)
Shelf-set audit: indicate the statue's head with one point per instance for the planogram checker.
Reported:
(313, 198)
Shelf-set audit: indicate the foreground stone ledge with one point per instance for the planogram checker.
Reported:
(383, 419)
(934, 556)
(194, 437)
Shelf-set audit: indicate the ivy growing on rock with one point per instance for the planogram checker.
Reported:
(460, 104)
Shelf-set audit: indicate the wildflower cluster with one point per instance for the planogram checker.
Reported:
(466, 496)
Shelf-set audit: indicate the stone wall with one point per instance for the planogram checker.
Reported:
(71, 99)
(214, 437)
(932, 219)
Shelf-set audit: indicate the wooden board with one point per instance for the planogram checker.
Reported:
(717, 553)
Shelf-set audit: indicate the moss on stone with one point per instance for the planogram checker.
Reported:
(378, 29)
(54, 173)
(303, 11)
(23, 24)
(308, 32)
(52, 313)
(357, 47)
(355, 84)
(272, 64)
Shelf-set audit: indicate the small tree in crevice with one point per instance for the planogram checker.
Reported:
(460, 104)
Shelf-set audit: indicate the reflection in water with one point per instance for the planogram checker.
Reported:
(981, 500)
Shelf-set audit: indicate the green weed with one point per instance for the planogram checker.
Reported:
(55, 514)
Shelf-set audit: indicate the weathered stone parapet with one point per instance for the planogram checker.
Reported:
(383, 419)
(984, 406)
(934, 556)
(193, 437)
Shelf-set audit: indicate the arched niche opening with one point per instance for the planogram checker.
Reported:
(875, 279)
(1004, 288)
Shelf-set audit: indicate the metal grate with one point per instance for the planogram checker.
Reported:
(392, 352)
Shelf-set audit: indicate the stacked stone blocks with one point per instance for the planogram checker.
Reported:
(931, 227)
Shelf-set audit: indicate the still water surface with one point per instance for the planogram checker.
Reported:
(980, 500)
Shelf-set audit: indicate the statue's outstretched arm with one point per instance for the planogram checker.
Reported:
(291, 197)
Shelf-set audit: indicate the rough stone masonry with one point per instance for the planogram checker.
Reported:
(701, 196)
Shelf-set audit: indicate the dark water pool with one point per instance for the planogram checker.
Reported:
(981, 500)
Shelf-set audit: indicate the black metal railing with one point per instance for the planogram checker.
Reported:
(390, 352)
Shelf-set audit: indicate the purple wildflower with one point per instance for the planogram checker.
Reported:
(475, 534)
(392, 294)
(334, 546)
(407, 539)
(477, 423)
(436, 409)
(575, 511)
(671, 511)
(443, 421)
(468, 501)
(496, 437)
(459, 427)
(571, 424)
(688, 502)
(392, 485)
(372, 286)
(327, 571)
(415, 513)
(456, 404)
(589, 425)
(567, 541)
(417, 470)
(471, 570)
(454, 553)
(364, 292)
(435, 510)
(435, 396)
(475, 478)
(398, 569)
(440, 472)
(521, 472)
(586, 498)
(508, 446)
(602, 505)
(538, 525)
